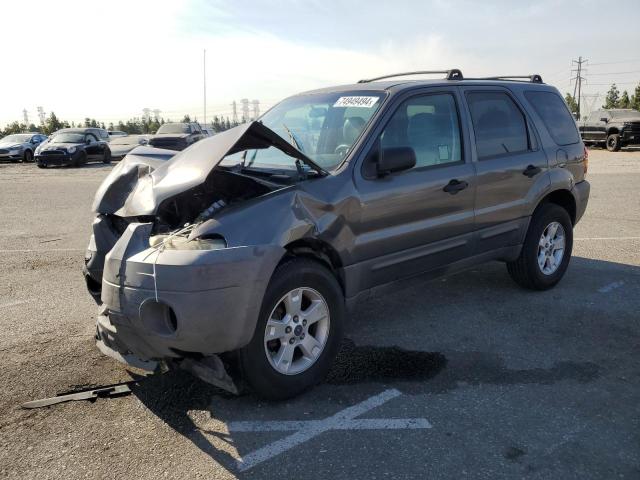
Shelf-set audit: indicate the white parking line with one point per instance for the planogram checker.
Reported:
(306, 430)
(42, 250)
(608, 238)
(611, 286)
(13, 303)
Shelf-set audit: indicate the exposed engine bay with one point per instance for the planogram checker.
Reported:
(221, 189)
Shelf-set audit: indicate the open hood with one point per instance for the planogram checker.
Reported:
(139, 184)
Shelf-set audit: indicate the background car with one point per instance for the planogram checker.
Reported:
(208, 132)
(20, 147)
(117, 133)
(176, 136)
(73, 147)
(120, 146)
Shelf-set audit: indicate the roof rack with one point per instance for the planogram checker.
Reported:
(452, 74)
(535, 78)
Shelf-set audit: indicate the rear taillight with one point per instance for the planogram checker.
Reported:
(586, 160)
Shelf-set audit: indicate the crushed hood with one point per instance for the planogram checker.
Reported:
(140, 183)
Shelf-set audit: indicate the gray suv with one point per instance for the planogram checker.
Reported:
(247, 249)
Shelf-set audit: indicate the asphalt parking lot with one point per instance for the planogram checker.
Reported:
(467, 376)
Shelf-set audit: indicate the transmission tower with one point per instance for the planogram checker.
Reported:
(578, 79)
(156, 113)
(234, 106)
(590, 101)
(25, 116)
(245, 109)
(255, 104)
(41, 115)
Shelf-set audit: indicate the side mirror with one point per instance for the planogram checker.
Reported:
(395, 159)
(89, 141)
(604, 119)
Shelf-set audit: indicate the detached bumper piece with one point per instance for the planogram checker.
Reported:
(116, 390)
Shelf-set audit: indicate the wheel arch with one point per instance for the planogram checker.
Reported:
(318, 250)
(563, 198)
(612, 130)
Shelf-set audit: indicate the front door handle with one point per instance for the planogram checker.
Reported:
(531, 171)
(454, 186)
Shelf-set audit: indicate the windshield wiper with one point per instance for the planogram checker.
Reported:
(294, 142)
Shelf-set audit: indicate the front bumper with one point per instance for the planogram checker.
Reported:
(630, 137)
(11, 157)
(170, 304)
(58, 159)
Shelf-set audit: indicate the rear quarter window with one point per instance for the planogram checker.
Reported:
(555, 116)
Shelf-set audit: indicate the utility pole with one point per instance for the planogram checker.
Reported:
(579, 78)
(41, 115)
(204, 84)
(25, 116)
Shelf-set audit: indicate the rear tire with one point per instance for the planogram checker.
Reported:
(613, 142)
(263, 362)
(538, 266)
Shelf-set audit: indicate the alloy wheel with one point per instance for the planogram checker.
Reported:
(551, 248)
(297, 331)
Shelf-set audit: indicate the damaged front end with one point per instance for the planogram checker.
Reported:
(167, 289)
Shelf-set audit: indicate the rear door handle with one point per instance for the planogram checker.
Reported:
(531, 171)
(454, 186)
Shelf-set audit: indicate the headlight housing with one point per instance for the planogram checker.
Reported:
(71, 150)
(183, 243)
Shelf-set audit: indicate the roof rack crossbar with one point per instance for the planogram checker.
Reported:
(535, 78)
(452, 74)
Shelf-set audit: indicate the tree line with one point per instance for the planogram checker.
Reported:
(135, 125)
(613, 99)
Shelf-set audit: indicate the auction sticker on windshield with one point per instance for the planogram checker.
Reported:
(366, 102)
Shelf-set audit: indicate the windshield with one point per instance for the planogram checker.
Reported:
(16, 138)
(625, 113)
(322, 126)
(68, 138)
(174, 128)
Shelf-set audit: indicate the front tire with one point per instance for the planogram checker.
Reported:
(298, 333)
(80, 160)
(28, 156)
(107, 156)
(546, 251)
(613, 142)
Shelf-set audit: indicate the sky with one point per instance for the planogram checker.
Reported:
(110, 59)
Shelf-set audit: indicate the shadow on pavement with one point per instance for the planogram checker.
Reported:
(175, 396)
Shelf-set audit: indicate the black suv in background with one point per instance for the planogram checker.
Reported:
(177, 136)
(614, 128)
(74, 147)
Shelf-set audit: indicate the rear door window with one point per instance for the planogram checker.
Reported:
(555, 116)
(500, 127)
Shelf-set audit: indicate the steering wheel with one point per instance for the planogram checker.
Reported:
(342, 149)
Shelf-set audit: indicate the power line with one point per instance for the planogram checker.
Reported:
(616, 63)
(615, 73)
(617, 83)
